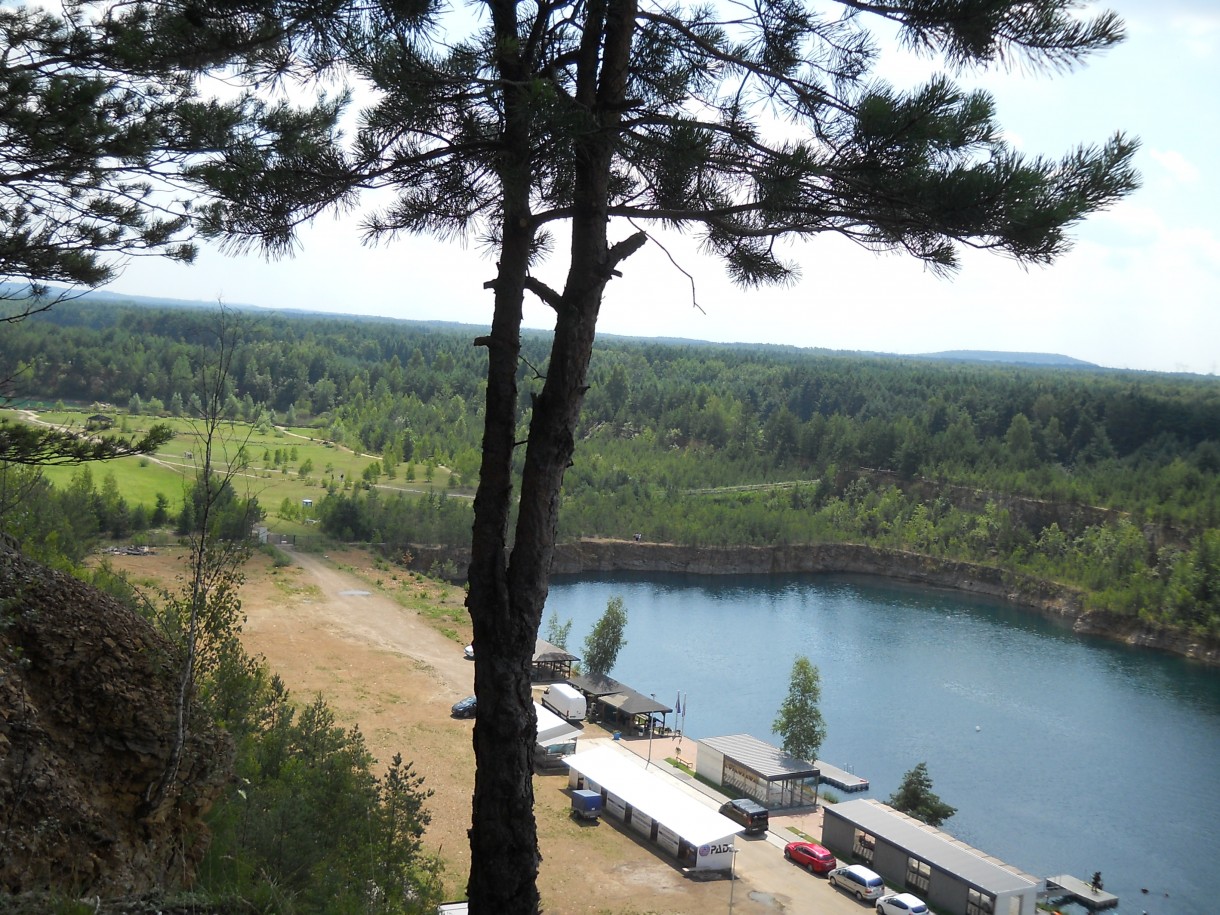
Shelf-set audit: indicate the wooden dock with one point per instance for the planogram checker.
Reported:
(1066, 886)
(838, 778)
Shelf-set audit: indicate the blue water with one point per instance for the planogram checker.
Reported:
(1063, 754)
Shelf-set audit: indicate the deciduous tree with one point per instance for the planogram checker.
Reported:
(605, 641)
(558, 633)
(799, 722)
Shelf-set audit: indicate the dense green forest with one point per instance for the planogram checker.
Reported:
(1101, 479)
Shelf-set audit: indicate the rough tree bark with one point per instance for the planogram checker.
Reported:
(508, 588)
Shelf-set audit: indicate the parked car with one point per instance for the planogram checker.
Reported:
(750, 814)
(469, 652)
(816, 858)
(466, 708)
(859, 881)
(901, 904)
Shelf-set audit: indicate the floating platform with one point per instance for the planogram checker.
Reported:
(1066, 886)
(838, 778)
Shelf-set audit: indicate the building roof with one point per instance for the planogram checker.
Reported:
(633, 703)
(624, 777)
(759, 757)
(546, 653)
(617, 695)
(934, 846)
(552, 729)
(596, 686)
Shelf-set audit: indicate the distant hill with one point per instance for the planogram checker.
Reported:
(981, 355)
(1038, 359)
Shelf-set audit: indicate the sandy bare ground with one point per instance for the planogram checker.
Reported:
(337, 626)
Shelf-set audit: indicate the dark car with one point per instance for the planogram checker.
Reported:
(465, 709)
(750, 814)
(810, 855)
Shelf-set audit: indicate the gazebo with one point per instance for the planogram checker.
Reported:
(550, 662)
(619, 704)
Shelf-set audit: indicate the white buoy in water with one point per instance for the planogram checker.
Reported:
(978, 727)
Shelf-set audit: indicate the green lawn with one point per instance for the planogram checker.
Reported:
(140, 479)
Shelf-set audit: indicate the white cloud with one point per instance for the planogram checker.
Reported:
(1177, 165)
(1198, 32)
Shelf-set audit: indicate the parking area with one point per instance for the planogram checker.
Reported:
(764, 876)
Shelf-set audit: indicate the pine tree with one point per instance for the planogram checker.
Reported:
(616, 120)
(915, 797)
(100, 116)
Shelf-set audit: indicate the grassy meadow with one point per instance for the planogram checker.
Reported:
(273, 463)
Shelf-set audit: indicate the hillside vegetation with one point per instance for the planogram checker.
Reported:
(1104, 480)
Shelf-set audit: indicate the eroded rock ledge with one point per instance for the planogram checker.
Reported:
(1048, 598)
(87, 710)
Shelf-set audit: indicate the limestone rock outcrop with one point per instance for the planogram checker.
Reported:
(87, 718)
(1038, 595)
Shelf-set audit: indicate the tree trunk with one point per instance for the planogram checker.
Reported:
(503, 835)
(508, 592)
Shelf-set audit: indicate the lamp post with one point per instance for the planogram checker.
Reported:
(732, 876)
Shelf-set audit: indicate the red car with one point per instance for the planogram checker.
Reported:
(810, 855)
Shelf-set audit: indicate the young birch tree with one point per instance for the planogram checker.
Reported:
(799, 722)
(204, 620)
(605, 640)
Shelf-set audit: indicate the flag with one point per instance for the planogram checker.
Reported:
(678, 705)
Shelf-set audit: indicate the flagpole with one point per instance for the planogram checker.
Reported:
(649, 762)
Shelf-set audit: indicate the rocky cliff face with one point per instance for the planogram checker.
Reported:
(87, 714)
(1044, 597)
(1041, 596)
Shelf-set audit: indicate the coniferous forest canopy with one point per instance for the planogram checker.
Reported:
(1105, 480)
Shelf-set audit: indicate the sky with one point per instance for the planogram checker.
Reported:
(1140, 288)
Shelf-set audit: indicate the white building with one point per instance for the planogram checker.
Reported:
(757, 770)
(657, 809)
(556, 738)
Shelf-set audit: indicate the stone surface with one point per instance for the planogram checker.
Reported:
(87, 716)
(1045, 597)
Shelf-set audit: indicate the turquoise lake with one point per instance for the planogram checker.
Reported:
(1062, 753)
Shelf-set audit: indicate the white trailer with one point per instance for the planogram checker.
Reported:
(657, 808)
(565, 701)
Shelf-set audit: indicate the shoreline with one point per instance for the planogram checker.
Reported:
(1047, 598)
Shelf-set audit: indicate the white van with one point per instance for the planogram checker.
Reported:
(565, 701)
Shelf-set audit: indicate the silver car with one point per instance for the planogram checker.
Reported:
(859, 881)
